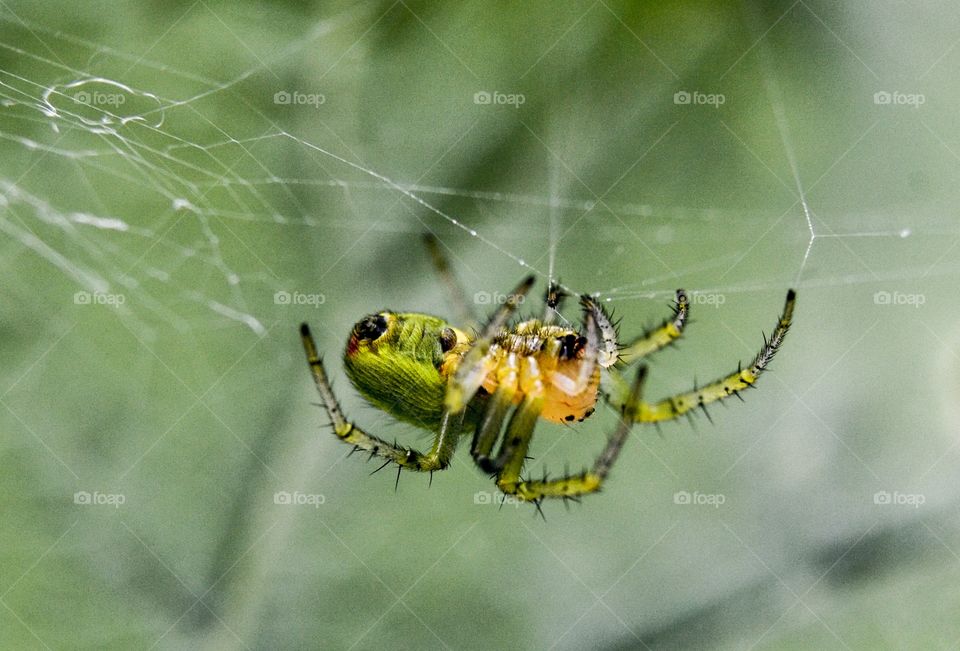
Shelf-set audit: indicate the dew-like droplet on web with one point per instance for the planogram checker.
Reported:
(906, 232)
(184, 204)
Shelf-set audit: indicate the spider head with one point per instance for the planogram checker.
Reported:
(400, 361)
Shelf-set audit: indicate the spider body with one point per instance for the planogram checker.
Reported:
(497, 383)
(535, 358)
(389, 352)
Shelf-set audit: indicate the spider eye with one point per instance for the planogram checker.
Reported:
(371, 327)
(448, 339)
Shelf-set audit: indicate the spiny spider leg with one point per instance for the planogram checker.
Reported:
(477, 363)
(553, 301)
(601, 468)
(591, 357)
(571, 486)
(499, 318)
(457, 296)
(664, 335)
(591, 353)
(725, 387)
(437, 458)
(508, 383)
(489, 429)
(516, 441)
(609, 348)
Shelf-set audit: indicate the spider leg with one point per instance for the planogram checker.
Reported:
(488, 430)
(553, 301)
(478, 361)
(491, 424)
(588, 364)
(516, 441)
(572, 486)
(725, 387)
(456, 294)
(662, 336)
(591, 353)
(608, 346)
(437, 458)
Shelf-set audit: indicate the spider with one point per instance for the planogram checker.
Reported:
(497, 382)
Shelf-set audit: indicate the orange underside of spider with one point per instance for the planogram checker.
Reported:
(541, 373)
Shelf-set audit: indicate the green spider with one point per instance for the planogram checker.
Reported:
(422, 370)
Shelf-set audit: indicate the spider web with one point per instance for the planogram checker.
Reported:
(144, 144)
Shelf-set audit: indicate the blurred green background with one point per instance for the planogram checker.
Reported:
(171, 173)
